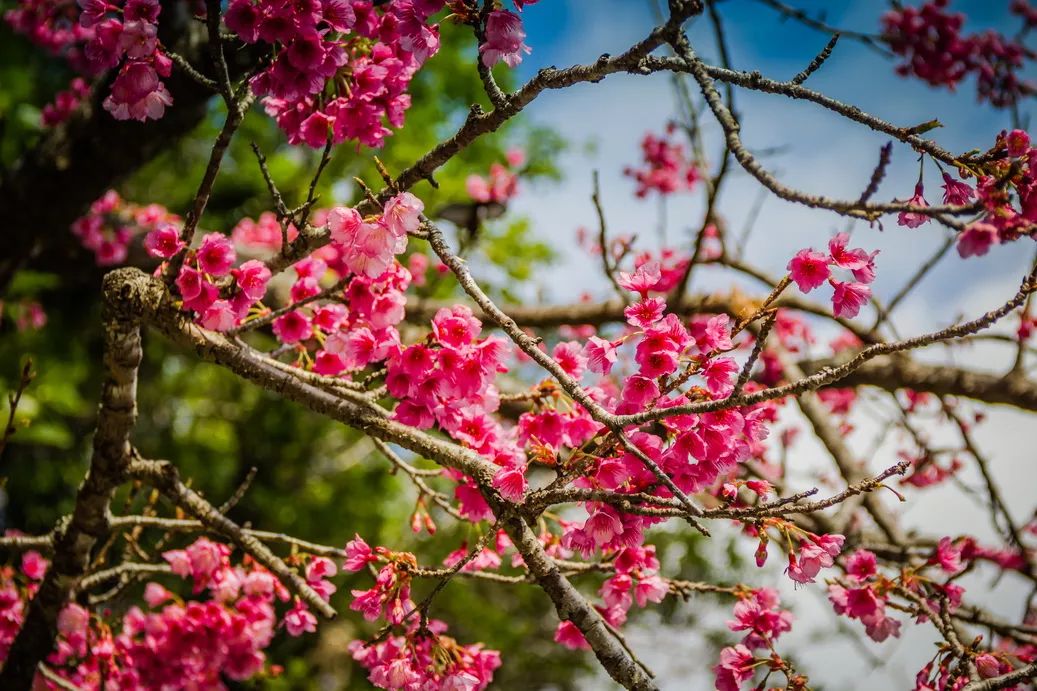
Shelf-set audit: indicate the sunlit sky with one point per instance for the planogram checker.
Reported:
(821, 154)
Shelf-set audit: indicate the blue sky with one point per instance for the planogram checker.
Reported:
(604, 122)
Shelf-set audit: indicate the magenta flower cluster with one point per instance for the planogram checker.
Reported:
(111, 224)
(341, 67)
(931, 41)
(810, 269)
(666, 168)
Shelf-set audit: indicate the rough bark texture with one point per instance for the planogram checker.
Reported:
(89, 523)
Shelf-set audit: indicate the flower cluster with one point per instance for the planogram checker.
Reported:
(65, 103)
(340, 67)
(666, 168)
(810, 268)
(426, 660)
(112, 223)
(697, 450)
(758, 613)
(420, 656)
(931, 41)
(54, 26)
(502, 184)
(28, 315)
(127, 33)
(1002, 221)
(504, 38)
(201, 273)
(17, 586)
(264, 233)
(815, 553)
(220, 633)
(449, 381)
(864, 596)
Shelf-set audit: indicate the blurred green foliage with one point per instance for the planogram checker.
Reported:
(316, 479)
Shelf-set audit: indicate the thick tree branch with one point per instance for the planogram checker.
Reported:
(90, 519)
(164, 477)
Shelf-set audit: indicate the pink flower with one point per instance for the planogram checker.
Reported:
(990, 666)
(712, 334)
(948, 556)
(809, 269)
(813, 556)
(718, 373)
(455, 326)
(319, 568)
(646, 312)
(956, 192)
(603, 525)
(656, 362)
(73, 619)
(299, 620)
(849, 298)
(402, 214)
(569, 355)
(568, 635)
(137, 93)
(833, 543)
(736, 666)
(328, 364)
(650, 589)
(861, 564)
(601, 355)
(219, 316)
(644, 278)
(164, 241)
(34, 566)
(478, 188)
(155, 595)
(372, 249)
(315, 129)
(511, 483)
(515, 157)
(178, 561)
(857, 260)
(215, 255)
(977, 239)
(292, 327)
(638, 390)
(913, 219)
(504, 39)
(1018, 143)
(252, 277)
(358, 554)
(343, 224)
(93, 11)
(242, 17)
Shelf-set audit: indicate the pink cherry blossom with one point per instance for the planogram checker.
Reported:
(403, 214)
(809, 269)
(913, 219)
(849, 298)
(601, 355)
(215, 255)
(164, 241)
(956, 192)
(638, 390)
(646, 312)
(504, 39)
(644, 278)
